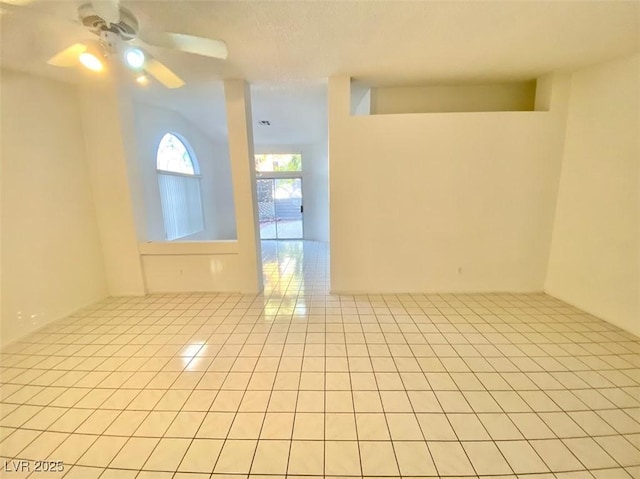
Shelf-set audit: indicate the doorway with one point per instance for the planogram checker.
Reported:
(280, 207)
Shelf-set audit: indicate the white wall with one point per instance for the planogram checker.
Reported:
(595, 255)
(151, 124)
(52, 262)
(187, 266)
(444, 201)
(315, 185)
(316, 191)
(360, 98)
(517, 96)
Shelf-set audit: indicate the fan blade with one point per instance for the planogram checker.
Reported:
(108, 10)
(187, 43)
(163, 74)
(67, 57)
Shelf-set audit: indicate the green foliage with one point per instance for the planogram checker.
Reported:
(271, 162)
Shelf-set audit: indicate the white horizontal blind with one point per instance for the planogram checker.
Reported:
(181, 205)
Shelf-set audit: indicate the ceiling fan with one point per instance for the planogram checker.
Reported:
(118, 36)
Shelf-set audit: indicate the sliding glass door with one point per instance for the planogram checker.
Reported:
(280, 208)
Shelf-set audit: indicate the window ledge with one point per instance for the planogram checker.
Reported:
(188, 247)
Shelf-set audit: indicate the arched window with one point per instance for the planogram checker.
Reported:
(179, 182)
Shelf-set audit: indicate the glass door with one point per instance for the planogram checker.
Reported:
(266, 209)
(280, 208)
(288, 207)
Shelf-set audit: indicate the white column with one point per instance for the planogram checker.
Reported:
(239, 123)
(107, 150)
(338, 100)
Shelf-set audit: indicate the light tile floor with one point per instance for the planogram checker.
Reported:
(270, 230)
(299, 382)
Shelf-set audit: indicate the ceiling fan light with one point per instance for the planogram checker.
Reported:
(142, 80)
(134, 58)
(91, 61)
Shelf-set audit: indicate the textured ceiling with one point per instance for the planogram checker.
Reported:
(390, 41)
(299, 44)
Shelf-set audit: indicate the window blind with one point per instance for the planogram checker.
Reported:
(181, 205)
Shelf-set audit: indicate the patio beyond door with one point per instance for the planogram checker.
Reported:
(280, 208)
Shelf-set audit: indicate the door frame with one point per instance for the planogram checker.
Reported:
(279, 175)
